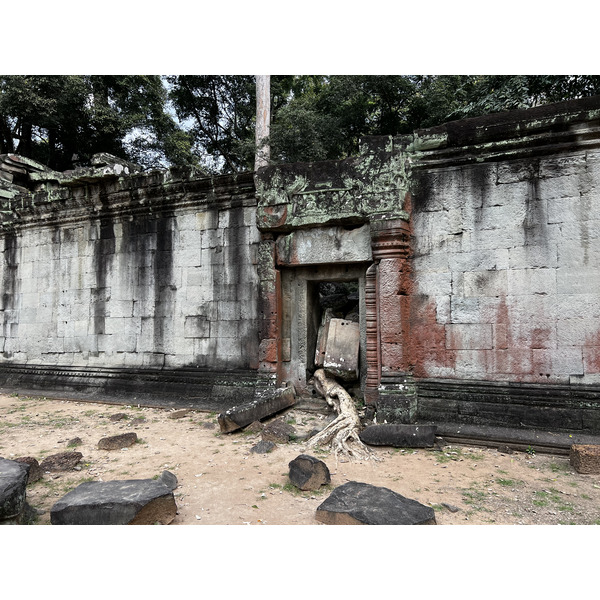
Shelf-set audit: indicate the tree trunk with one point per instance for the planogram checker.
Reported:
(263, 118)
(342, 432)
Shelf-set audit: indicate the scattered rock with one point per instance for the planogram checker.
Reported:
(278, 431)
(63, 461)
(130, 502)
(179, 414)
(399, 436)
(35, 471)
(254, 427)
(263, 447)
(76, 441)
(138, 421)
(357, 503)
(116, 442)
(450, 507)
(308, 472)
(13, 482)
(118, 417)
(585, 458)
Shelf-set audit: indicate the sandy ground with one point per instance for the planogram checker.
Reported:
(222, 482)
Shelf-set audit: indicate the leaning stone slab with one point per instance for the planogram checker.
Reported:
(308, 472)
(268, 403)
(357, 503)
(399, 436)
(13, 481)
(116, 442)
(585, 458)
(63, 461)
(342, 349)
(130, 502)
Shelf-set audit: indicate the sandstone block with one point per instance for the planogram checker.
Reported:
(399, 436)
(357, 503)
(116, 442)
(278, 431)
(342, 349)
(130, 502)
(309, 473)
(585, 458)
(35, 471)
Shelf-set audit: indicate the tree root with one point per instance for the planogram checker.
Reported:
(342, 433)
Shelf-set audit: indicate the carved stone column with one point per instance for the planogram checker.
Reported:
(389, 384)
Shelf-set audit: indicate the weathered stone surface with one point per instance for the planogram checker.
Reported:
(263, 447)
(76, 441)
(357, 503)
(399, 436)
(130, 502)
(35, 471)
(342, 349)
(308, 472)
(13, 481)
(116, 442)
(271, 402)
(585, 458)
(63, 461)
(278, 431)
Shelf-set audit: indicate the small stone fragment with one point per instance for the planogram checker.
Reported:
(63, 461)
(118, 417)
(278, 431)
(309, 473)
(254, 427)
(179, 414)
(450, 507)
(503, 449)
(116, 442)
(76, 441)
(263, 447)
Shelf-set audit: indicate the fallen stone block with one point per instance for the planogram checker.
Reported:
(254, 427)
(35, 471)
(116, 442)
(399, 436)
(585, 458)
(278, 431)
(268, 403)
(357, 503)
(130, 502)
(308, 473)
(13, 483)
(63, 461)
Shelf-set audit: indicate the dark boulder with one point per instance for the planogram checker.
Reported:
(263, 447)
(13, 481)
(308, 472)
(399, 436)
(357, 503)
(130, 502)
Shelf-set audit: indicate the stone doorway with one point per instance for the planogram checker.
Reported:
(306, 293)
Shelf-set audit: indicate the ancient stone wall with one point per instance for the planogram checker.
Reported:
(506, 265)
(151, 272)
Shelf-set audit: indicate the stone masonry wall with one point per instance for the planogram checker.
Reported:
(145, 272)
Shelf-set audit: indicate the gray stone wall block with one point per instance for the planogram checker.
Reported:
(469, 336)
(532, 281)
(484, 283)
(196, 326)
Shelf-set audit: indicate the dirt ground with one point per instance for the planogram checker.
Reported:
(221, 482)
